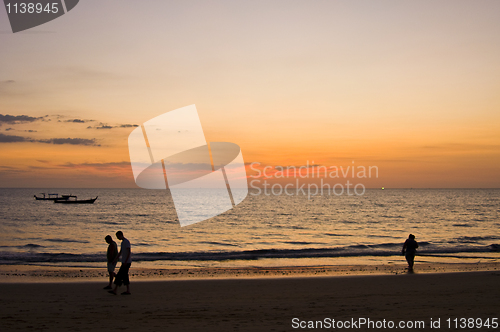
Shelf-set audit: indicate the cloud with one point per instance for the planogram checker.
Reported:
(9, 129)
(59, 141)
(6, 167)
(104, 170)
(17, 118)
(460, 147)
(104, 127)
(71, 141)
(12, 139)
(79, 120)
(115, 165)
(10, 170)
(101, 126)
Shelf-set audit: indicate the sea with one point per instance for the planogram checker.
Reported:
(450, 225)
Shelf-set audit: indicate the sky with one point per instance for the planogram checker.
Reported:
(411, 87)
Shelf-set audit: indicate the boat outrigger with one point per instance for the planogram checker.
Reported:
(75, 200)
(52, 197)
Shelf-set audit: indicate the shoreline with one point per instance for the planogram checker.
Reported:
(44, 273)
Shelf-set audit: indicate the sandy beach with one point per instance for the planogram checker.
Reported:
(247, 304)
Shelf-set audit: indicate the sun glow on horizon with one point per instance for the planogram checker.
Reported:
(411, 89)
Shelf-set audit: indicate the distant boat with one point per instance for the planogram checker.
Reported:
(52, 197)
(75, 200)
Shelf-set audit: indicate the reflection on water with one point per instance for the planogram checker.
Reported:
(448, 224)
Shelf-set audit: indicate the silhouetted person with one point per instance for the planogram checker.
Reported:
(409, 249)
(112, 256)
(126, 254)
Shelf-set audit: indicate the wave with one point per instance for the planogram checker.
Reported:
(67, 240)
(339, 235)
(219, 243)
(26, 246)
(31, 245)
(387, 249)
(475, 239)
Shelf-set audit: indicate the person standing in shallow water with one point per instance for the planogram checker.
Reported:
(126, 254)
(409, 250)
(112, 256)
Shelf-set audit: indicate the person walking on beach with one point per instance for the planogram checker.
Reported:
(112, 256)
(126, 254)
(409, 250)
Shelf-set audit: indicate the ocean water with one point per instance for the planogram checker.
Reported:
(451, 225)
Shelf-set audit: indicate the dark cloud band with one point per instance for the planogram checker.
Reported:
(17, 118)
(59, 141)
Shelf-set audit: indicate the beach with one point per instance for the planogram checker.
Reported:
(272, 264)
(235, 301)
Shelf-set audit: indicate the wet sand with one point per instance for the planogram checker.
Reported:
(34, 273)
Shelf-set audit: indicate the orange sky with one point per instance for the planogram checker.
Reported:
(411, 88)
